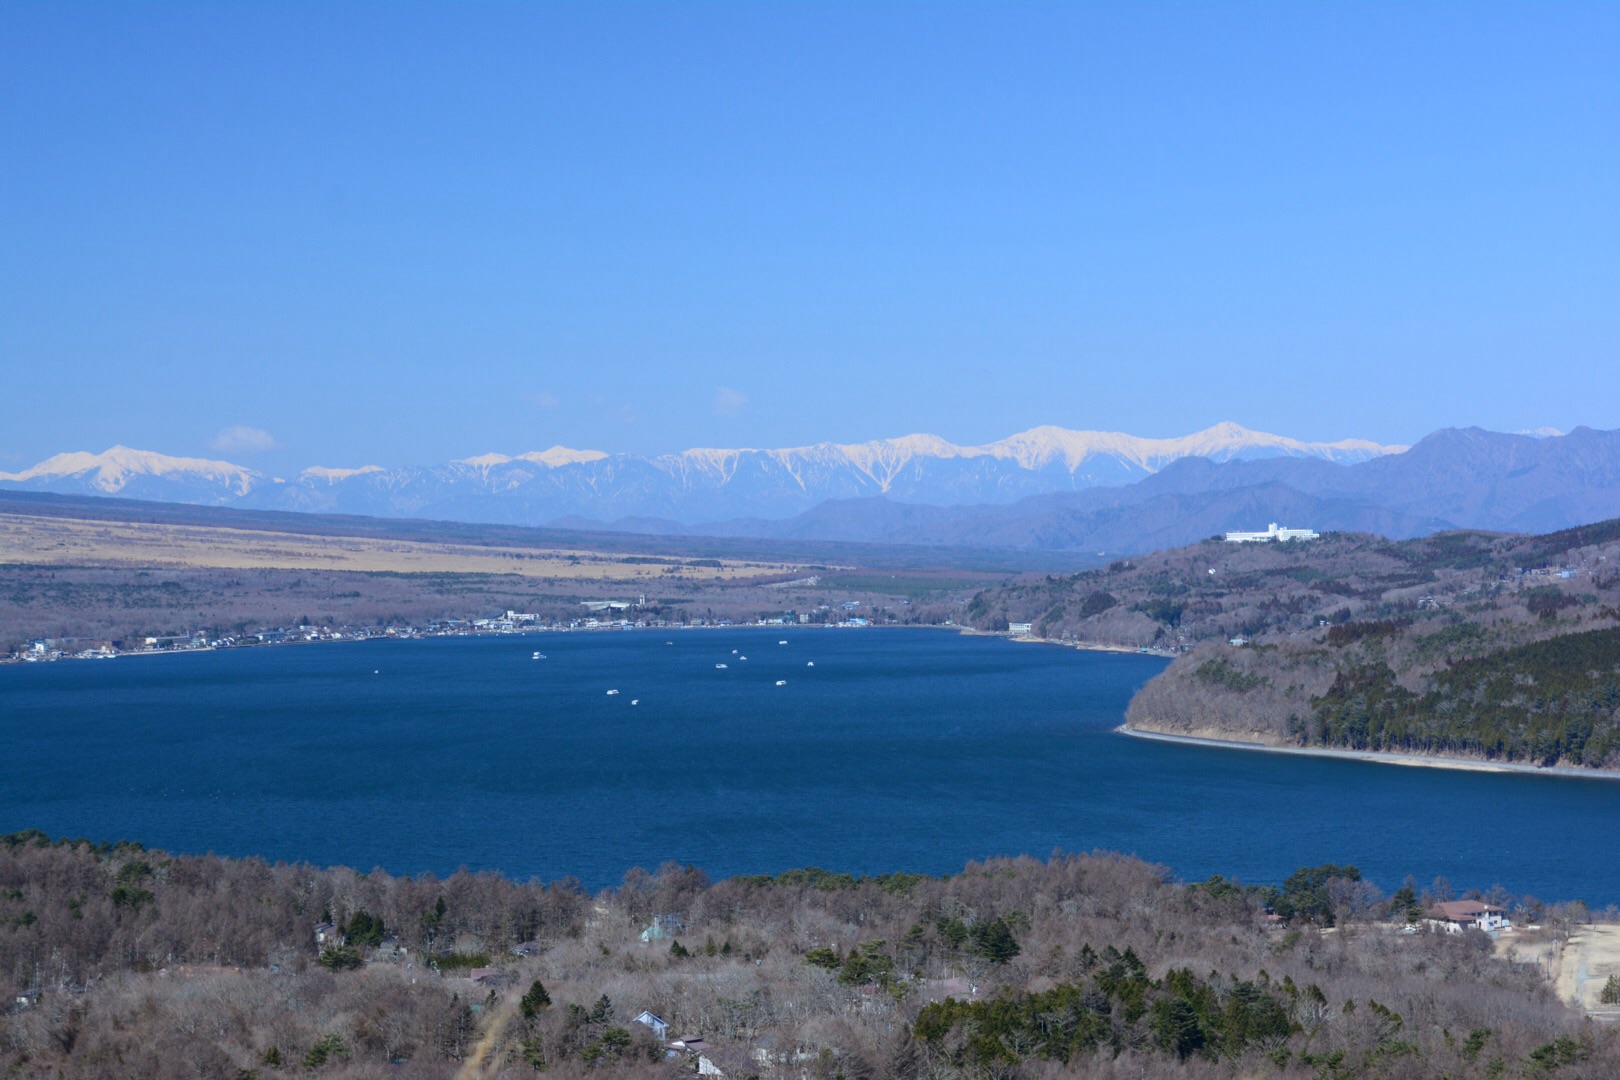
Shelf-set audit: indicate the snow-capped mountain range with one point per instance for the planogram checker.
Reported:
(693, 487)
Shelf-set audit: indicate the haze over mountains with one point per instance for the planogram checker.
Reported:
(1045, 489)
(693, 487)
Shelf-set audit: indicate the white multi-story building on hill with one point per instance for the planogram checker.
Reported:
(1272, 533)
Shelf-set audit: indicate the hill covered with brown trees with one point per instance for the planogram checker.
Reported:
(119, 961)
(1489, 646)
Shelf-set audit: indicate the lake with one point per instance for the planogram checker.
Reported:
(897, 750)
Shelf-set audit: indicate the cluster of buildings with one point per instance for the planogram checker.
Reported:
(599, 615)
(1282, 535)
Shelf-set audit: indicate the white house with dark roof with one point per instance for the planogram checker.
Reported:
(1455, 916)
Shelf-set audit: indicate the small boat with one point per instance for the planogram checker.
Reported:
(810, 663)
(635, 701)
(733, 652)
(781, 682)
(784, 642)
(612, 692)
(742, 657)
(538, 656)
(720, 667)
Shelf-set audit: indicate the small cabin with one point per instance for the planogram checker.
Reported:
(653, 1021)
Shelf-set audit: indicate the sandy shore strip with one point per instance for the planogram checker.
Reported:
(1426, 761)
(1083, 646)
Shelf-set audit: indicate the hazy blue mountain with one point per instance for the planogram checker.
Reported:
(1466, 478)
(1048, 489)
(693, 487)
(1115, 520)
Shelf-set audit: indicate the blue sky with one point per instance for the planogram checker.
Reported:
(301, 233)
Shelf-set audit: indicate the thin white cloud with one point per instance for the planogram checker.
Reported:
(238, 439)
(546, 399)
(1540, 432)
(728, 402)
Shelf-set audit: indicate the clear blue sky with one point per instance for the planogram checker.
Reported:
(400, 233)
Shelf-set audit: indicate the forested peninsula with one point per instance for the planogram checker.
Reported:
(122, 961)
(1475, 646)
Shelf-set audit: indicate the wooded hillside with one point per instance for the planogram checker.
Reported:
(122, 961)
(1497, 647)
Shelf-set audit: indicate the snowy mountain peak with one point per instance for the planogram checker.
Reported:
(694, 486)
(333, 476)
(114, 469)
(558, 456)
(1038, 447)
(555, 458)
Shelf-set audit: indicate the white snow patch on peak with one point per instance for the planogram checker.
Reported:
(554, 458)
(1037, 447)
(559, 456)
(705, 457)
(907, 446)
(883, 459)
(1233, 438)
(483, 461)
(112, 469)
(332, 476)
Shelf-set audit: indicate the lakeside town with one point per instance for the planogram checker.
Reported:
(600, 615)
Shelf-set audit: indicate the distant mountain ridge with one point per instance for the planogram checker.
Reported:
(693, 487)
(1044, 490)
(1453, 479)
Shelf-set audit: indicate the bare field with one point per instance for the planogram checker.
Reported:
(72, 579)
(52, 541)
(1590, 956)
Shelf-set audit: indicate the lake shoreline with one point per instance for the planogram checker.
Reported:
(1428, 761)
(1082, 646)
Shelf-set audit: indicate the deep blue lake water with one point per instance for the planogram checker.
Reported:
(898, 750)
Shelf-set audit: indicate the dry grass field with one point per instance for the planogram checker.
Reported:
(116, 574)
(1590, 956)
(55, 541)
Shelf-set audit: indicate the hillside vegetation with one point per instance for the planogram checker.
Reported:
(135, 963)
(1502, 648)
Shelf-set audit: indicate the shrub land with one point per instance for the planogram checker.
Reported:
(119, 961)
